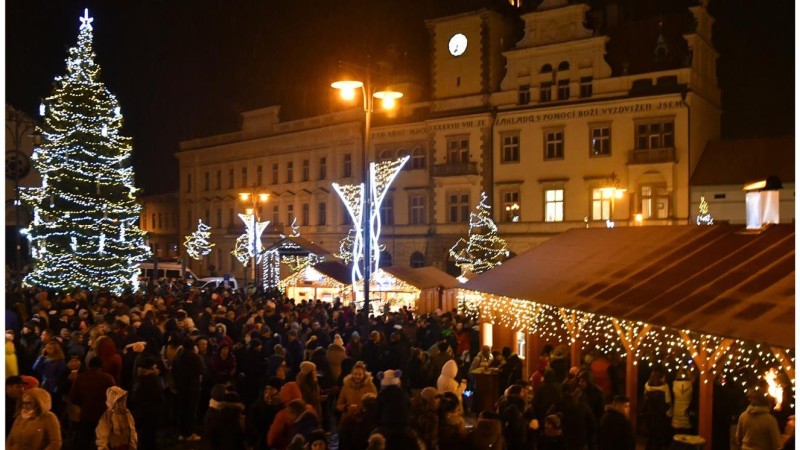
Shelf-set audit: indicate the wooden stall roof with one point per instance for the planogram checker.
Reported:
(336, 270)
(291, 245)
(721, 279)
(423, 277)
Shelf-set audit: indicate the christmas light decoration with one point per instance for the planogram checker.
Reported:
(271, 269)
(484, 249)
(198, 243)
(254, 234)
(346, 247)
(704, 217)
(87, 191)
(241, 249)
(295, 228)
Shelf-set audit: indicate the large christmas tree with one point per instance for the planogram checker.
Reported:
(84, 232)
(484, 249)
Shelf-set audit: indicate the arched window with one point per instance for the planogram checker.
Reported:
(402, 153)
(386, 259)
(563, 66)
(417, 260)
(418, 158)
(547, 68)
(387, 155)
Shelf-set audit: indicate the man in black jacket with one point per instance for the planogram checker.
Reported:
(615, 431)
(187, 370)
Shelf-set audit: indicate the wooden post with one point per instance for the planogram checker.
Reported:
(705, 364)
(574, 322)
(631, 344)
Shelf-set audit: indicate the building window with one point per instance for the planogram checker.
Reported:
(554, 144)
(524, 94)
(416, 210)
(387, 210)
(402, 153)
(306, 213)
(348, 165)
(586, 87)
(458, 208)
(289, 214)
(305, 170)
(230, 217)
(188, 182)
(655, 202)
(562, 66)
(417, 260)
(244, 176)
(554, 205)
(160, 220)
(511, 206)
(290, 173)
(546, 92)
(386, 259)
(276, 215)
(206, 181)
(547, 68)
(153, 222)
(510, 148)
(275, 172)
(386, 155)
(259, 175)
(323, 168)
(600, 140)
(601, 204)
(230, 179)
(322, 213)
(458, 149)
(219, 179)
(652, 135)
(418, 158)
(219, 217)
(563, 89)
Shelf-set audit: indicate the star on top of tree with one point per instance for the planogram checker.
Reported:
(86, 21)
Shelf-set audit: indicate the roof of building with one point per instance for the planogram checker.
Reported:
(740, 161)
(336, 270)
(297, 245)
(423, 277)
(720, 280)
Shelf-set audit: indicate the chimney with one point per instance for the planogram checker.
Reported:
(763, 202)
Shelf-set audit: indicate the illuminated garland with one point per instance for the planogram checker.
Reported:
(250, 221)
(484, 249)
(241, 251)
(85, 230)
(271, 269)
(346, 247)
(198, 244)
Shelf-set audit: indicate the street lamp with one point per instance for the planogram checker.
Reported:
(255, 198)
(369, 93)
(612, 191)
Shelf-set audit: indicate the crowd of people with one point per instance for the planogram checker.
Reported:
(246, 369)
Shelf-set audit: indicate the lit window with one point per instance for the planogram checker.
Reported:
(554, 205)
(511, 206)
(601, 204)
(655, 202)
(522, 344)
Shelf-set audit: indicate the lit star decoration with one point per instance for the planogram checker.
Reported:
(484, 249)
(198, 243)
(729, 360)
(250, 222)
(704, 217)
(87, 191)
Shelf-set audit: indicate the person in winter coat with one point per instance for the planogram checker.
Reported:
(52, 369)
(222, 425)
(29, 347)
(590, 394)
(355, 428)
(353, 348)
(106, 349)
(452, 429)
(261, 414)
(425, 416)
(447, 380)
(757, 429)
(394, 419)
(511, 408)
(223, 365)
(615, 431)
(577, 421)
(682, 389)
(305, 421)
(487, 434)
(654, 408)
(116, 429)
(36, 427)
(12, 365)
(187, 371)
(309, 386)
(418, 373)
(354, 387)
(147, 398)
(278, 436)
(335, 355)
(88, 392)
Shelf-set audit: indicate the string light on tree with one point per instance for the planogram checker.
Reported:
(483, 249)
(198, 244)
(87, 190)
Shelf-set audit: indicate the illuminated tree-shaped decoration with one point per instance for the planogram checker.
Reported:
(271, 269)
(346, 247)
(241, 249)
(484, 249)
(85, 230)
(295, 228)
(198, 244)
(253, 237)
(703, 216)
(381, 176)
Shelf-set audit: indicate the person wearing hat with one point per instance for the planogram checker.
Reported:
(221, 426)
(15, 387)
(116, 428)
(295, 353)
(309, 386)
(615, 431)
(261, 413)
(35, 426)
(29, 346)
(335, 354)
(317, 440)
(353, 348)
(757, 428)
(278, 436)
(425, 416)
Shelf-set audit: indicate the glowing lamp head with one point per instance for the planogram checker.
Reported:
(249, 211)
(388, 98)
(638, 218)
(244, 196)
(263, 197)
(347, 88)
(618, 192)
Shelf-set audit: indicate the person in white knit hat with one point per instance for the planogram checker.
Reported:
(335, 355)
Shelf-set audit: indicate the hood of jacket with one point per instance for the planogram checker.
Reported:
(105, 347)
(41, 397)
(755, 410)
(349, 382)
(113, 394)
(450, 369)
(290, 391)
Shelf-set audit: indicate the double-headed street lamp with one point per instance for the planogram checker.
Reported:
(369, 93)
(255, 198)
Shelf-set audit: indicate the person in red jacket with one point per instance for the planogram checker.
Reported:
(88, 392)
(278, 436)
(106, 349)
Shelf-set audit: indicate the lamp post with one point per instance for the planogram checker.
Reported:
(614, 192)
(369, 93)
(254, 198)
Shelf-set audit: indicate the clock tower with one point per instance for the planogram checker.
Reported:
(467, 63)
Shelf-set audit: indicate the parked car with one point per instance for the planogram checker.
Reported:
(215, 282)
(168, 270)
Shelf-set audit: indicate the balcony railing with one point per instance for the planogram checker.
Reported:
(651, 156)
(455, 169)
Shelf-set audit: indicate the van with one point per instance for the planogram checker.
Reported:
(215, 282)
(169, 270)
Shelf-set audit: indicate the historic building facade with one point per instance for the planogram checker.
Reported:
(159, 218)
(557, 132)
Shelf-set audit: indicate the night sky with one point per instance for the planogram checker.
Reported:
(186, 68)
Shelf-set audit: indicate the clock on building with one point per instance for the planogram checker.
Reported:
(458, 44)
